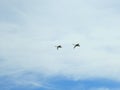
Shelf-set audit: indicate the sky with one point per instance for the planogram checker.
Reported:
(30, 30)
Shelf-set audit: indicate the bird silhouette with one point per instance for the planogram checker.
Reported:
(76, 45)
(59, 46)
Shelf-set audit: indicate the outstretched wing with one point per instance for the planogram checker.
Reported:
(57, 47)
(74, 46)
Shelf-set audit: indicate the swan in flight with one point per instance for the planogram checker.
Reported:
(76, 45)
(59, 46)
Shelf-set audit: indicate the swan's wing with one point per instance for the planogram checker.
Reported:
(57, 48)
(74, 46)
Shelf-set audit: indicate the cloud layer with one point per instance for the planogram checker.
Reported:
(29, 30)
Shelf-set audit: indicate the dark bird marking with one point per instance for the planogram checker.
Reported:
(76, 45)
(59, 46)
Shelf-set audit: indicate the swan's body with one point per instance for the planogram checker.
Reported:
(59, 46)
(76, 45)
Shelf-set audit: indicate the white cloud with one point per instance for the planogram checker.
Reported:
(100, 89)
(47, 23)
(104, 88)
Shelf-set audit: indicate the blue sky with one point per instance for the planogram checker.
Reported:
(29, 30)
